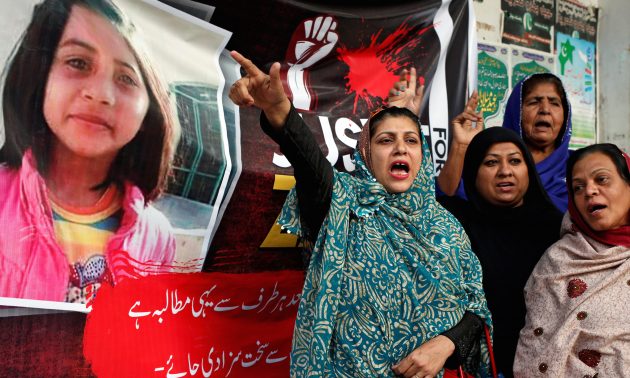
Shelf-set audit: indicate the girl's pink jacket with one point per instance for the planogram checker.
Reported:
(33, 265)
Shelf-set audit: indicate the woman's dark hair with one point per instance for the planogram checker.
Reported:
(145, 160)
(539, 78)
(392, 111)
(608, 149)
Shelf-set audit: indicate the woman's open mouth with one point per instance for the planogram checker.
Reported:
(542, 124)
(505, 186)
(399, 170)
(595, 208)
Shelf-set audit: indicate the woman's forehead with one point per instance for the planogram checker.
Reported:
(545, 87)
(591, 163)
(503, 148)
(396, 124)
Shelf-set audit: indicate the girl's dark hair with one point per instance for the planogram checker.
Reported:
(392, 111)
(534, 80)
(608, 149)
(145, 160)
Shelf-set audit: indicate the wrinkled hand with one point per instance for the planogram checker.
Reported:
(261, 90)
(406, 93)
(427, 360)
(463, 130)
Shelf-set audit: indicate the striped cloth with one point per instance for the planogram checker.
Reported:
(82, 233)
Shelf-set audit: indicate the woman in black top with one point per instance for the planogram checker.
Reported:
(510, 221)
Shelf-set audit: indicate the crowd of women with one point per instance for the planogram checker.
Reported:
(394, 286)
(521, 268)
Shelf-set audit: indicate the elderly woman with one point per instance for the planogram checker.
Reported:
(392, 288)
(510, 222)
(537, 110)
(578, 296)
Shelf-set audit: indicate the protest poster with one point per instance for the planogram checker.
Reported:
(576, 32)
(529, 23)
(182, 218)
(210, 325)
(334, 81)
(493, 81)
(524, 62)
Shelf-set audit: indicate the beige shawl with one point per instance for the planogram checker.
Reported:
(578, 311)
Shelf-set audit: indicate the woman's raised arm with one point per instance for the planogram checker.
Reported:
(313, 173)
(463, 132)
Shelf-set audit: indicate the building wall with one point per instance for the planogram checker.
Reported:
(613, 42)
(613, 67)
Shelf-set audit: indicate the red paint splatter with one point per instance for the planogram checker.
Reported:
(372, 69)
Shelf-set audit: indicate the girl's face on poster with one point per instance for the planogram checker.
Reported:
(95, 98)
(396, 150)
(601, 195)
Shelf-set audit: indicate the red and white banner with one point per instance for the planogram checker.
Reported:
(194, 325)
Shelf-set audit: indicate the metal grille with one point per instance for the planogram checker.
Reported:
(199, 158)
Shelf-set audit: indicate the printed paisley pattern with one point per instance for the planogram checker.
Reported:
(387, 273)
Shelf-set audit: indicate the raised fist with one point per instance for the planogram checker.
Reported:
(311, 42)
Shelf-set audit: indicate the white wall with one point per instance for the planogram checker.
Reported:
(613, 56)
(613, 44)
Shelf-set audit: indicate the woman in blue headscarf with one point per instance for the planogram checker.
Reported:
(392, 288)
(537, 110)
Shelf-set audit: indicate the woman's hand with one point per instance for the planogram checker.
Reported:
(463, 133)
(405, 93)
(427, 360)
(261, 90)
(463, 129)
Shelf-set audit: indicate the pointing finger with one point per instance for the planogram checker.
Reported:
(247, 64)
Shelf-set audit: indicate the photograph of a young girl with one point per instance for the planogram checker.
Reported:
(88, 144)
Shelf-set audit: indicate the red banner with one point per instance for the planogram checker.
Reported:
(194, 325)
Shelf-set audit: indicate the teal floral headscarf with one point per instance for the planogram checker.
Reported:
(387, 273)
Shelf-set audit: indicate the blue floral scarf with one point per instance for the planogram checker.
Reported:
(387, 273)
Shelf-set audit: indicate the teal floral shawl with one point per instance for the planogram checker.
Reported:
(387, 273)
